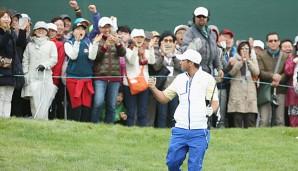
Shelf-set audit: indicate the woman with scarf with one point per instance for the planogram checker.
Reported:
(243, 96)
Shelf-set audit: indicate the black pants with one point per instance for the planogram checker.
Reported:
(20, 107)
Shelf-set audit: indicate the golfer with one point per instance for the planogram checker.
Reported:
(190, 134)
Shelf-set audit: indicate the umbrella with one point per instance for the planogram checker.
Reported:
(43, 93)
(274, 106)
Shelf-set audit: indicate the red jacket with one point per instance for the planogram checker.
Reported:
(291, 97)
(58, 67)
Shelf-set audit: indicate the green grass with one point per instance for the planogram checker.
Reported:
(64, 145)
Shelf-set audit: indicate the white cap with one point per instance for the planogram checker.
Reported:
(52, 26)
(25, 16)
(104, 21)
(191, 55)
(41, 24)
(177, 28)
(258, 43)
(137, 32)
(201, 11)
(295, 41)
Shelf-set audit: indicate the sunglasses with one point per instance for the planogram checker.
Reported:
(168, 40)
(273, 41)
(201, 16)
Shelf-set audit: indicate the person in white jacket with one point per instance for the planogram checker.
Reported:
(190, 134)
(137, 61)
(39, 57)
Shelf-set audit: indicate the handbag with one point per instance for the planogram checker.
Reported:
(138, 84)
(264, 94)
(264, 91)
(5, 62)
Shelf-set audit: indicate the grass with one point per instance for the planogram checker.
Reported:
(27, 144)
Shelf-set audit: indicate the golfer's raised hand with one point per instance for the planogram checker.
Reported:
(151, 83)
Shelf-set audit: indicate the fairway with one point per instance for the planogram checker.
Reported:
(27, 144)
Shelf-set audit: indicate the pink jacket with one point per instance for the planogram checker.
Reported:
(291, 97)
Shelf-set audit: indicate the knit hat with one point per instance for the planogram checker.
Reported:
(41, 24)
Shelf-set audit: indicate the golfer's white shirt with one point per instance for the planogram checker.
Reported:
(193, 93)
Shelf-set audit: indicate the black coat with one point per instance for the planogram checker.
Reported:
(8, 43)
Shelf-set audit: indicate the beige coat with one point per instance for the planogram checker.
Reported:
(41, 51)
(243, 94)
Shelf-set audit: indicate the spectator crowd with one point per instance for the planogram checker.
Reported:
(98, 71)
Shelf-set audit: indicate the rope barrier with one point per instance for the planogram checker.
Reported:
(156, 76)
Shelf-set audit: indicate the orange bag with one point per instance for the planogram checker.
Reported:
(138, 84)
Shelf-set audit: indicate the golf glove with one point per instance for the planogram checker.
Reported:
(209, 111)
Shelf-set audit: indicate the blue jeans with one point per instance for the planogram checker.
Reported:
(132, 102)
(165, 113)
(193, 141)
(104, 90)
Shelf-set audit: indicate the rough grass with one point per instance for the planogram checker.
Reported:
(65, 145)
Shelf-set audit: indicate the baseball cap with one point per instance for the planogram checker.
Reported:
(137, 32)
(52, 26)
(258, 43)
(191, 55)
(201, 11)
(104, 21)
(229, 32)
(83, 21)
(295, 41)
(149, 35)
(155, 34)
(177, 28)
(64, 16)
(79, 25)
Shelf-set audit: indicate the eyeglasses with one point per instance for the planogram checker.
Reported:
(201, 16)
(168, 40)
(273, 41)
(244, 48)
